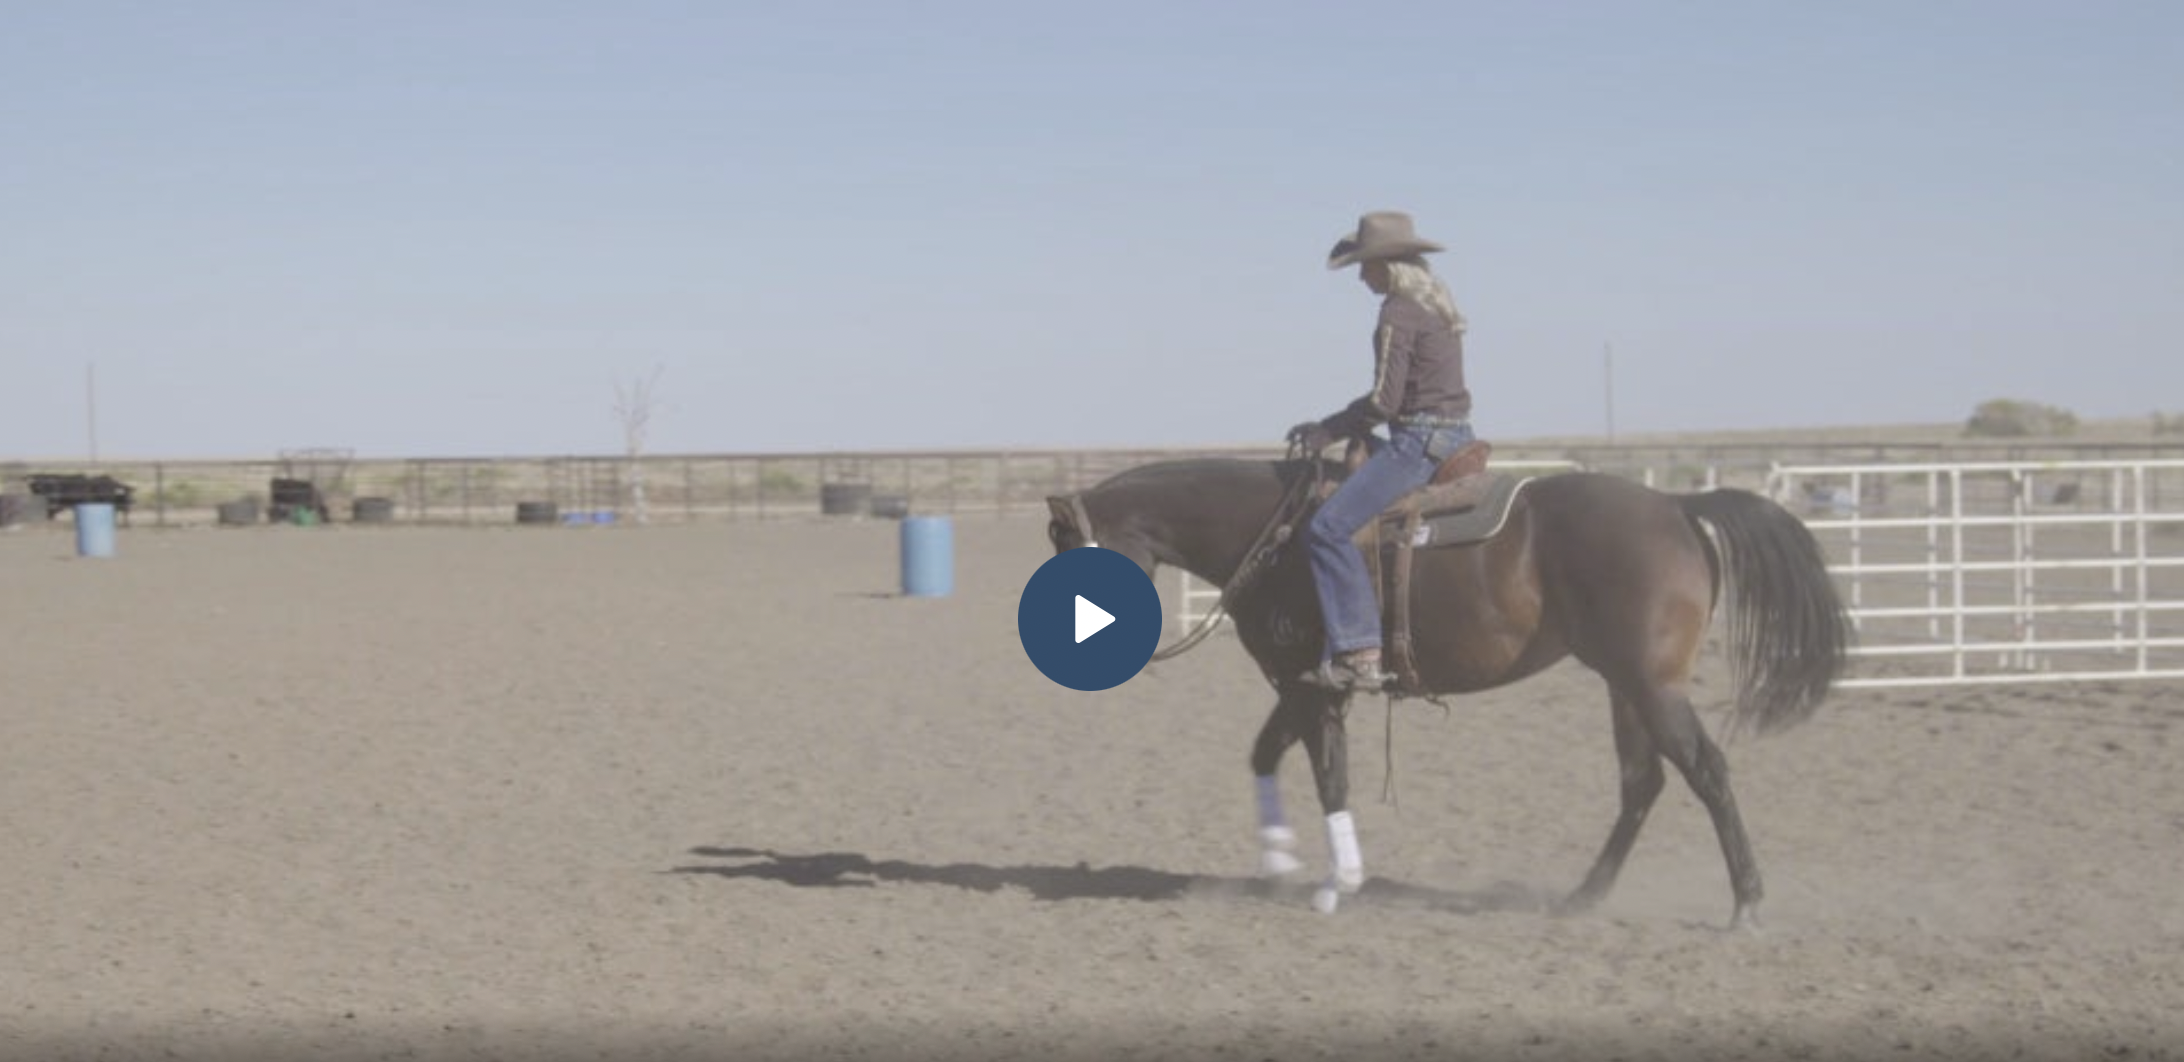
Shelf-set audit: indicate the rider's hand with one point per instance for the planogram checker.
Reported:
(1311, 436)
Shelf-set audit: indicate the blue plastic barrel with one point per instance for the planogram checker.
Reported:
(95, 529)
(928, 556)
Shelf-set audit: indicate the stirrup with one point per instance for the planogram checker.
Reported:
(1346, 676)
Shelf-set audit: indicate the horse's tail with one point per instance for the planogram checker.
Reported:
(1789, 635)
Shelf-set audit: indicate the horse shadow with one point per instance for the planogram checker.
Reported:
(1055, 883)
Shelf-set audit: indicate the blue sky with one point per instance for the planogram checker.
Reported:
(449, 228)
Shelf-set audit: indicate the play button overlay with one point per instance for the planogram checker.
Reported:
(1089, 618)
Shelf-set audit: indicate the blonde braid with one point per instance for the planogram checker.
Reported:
(1413, 279)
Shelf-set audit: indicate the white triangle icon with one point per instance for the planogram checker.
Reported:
(1091, 619)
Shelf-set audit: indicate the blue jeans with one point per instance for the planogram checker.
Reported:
(1402, 463)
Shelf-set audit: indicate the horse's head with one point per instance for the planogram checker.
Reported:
(1198, 515)
(1105, 518)
(1062, 529)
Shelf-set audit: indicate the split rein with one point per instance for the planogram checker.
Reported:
(1276, 534)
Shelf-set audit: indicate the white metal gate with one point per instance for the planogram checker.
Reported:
(1195, 597)
(1997, 572)
(2002, 571)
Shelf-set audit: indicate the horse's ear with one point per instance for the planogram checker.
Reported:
(1059, 506)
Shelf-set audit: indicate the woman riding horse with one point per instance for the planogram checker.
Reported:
(1419, 392)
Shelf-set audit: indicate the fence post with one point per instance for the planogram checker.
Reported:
(1933, 552)
(1956, 566)
(2138, 519)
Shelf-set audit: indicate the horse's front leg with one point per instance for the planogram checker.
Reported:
(1295, 713)
(1326, 739)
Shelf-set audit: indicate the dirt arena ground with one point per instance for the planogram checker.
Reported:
(712, 791)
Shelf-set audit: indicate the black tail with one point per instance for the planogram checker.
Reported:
(1789, 634)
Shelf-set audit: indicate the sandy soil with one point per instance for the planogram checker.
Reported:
(711, 791)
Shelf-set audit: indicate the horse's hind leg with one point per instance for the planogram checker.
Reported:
(1676, 731)
(1285, 726)
(1643, 779)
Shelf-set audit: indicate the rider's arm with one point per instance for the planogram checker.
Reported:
(1395, 338)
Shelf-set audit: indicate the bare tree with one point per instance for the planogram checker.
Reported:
(634, 405)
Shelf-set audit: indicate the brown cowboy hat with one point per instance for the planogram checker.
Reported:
(1380, 234)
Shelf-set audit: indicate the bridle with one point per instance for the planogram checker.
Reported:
(1277, 532)
(1081, 518)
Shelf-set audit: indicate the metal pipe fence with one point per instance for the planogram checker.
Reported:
(684, 488)
(674, 488)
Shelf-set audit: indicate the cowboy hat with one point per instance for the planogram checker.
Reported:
(1380, 234)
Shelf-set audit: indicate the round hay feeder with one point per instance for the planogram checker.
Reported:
(241, 512)
(845, 499)
(372, 510)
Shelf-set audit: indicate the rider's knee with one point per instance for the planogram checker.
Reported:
(1318, 529)
(1322, 529)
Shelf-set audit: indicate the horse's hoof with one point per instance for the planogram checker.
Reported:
(1326, 899)
(1746, 922)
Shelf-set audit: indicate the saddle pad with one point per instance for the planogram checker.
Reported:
(1456, 527)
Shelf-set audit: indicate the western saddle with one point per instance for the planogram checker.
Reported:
(1463, 503)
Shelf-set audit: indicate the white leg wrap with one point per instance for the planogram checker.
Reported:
(1276, 840)
(1276, 843)
(1342, 839)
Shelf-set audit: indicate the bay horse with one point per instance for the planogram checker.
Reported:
(1622, 577)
